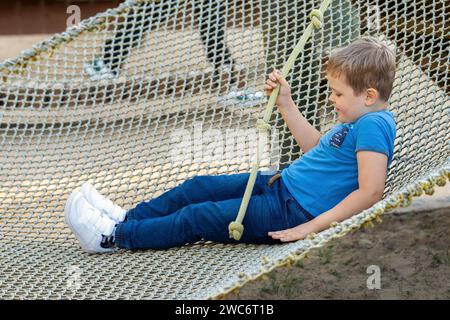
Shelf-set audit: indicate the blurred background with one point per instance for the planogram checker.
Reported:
(26, 22)
(45, 16)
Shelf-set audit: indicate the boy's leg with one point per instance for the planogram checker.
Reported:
(206, 220)
(196, 190)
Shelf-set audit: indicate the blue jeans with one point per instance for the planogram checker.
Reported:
(202, 207)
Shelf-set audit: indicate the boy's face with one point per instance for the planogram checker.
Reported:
(349, 107)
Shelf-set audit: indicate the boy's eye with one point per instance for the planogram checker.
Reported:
(335, 93)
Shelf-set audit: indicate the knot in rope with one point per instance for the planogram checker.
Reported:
(311, 236)
(261, 125)
(236, 230)
(440, 180)
(316, 17)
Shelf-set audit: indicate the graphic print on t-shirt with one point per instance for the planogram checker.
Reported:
(338, 138)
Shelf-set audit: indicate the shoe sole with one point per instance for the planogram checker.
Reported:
(68, 208)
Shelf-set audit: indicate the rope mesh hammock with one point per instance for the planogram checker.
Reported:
(166, 116)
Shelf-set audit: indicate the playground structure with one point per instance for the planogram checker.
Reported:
(125, 135)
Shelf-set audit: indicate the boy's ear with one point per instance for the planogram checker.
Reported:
(372, 96)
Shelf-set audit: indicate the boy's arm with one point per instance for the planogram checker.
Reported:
(303, 132)
(372, 167)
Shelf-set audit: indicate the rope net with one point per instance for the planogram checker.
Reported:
(144, 96)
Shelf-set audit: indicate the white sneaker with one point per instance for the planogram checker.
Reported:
(97, 70)
(243, 98)
(89, 225)
(101, 203)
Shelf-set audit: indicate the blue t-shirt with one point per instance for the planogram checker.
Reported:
(328, 173)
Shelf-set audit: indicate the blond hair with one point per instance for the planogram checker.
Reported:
(365, 63)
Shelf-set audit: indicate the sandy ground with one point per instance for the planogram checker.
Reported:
(411, 247)
(411, 250)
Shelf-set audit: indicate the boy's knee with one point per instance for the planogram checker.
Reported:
(192, 182)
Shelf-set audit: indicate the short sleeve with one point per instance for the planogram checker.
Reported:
(374, 134)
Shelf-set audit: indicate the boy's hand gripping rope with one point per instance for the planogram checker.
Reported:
(236, 228)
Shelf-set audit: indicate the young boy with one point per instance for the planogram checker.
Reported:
(340, 174)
